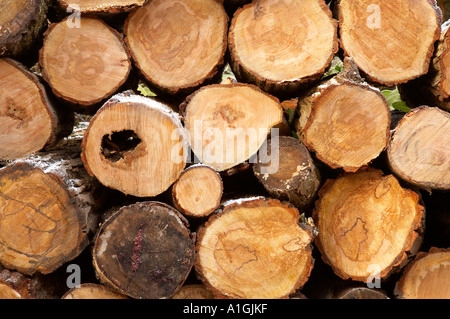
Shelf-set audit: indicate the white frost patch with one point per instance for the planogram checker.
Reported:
(241, 200)
(103, 242)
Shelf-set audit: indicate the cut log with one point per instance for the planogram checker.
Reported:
(136, 145)
(92, 291)
(228, 123)
(295, 177)
(194, 291)
(145, 251)
(433, 88)
(21, 24)
(426, 277)
(14, 285)
(419, 149)
(198, 191)
(281, 45)
(358, 292)
(28, 119)
(255, 248)
(101, 6)
(48, 208)
(392, 42)
(84, 65)
(41, 225)
(178, 44)
(344, 121)
(368, 224)
(439, 86)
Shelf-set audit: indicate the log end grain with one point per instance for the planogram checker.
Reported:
(84, 65)
(252, 242)
(178, 45)
(27, 119)
(122, 152)
(382, 37)
(198, 191)
(367, 224)
(426, 277)
(41, 227)
(228, 123)
(144, 251)
(295, 43)
(92, 291)
(419, 150)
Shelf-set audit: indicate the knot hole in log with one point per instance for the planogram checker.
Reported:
(115, 145)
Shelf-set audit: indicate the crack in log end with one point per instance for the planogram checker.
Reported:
(233, 259)
(137, 250)
(357, 233)
(114, 146)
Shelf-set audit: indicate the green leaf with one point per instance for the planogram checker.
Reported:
(228, 73)
(336, 66)
(144, 90)
(394, 100)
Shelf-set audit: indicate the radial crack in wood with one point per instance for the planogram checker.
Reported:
(281, 45)
(368, 224)
(254, 249)
(392, 42)
(178, 44)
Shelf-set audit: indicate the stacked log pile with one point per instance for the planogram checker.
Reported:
(201, 149)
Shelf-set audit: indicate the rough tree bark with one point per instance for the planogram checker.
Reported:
(21, 25)
(295, 177)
